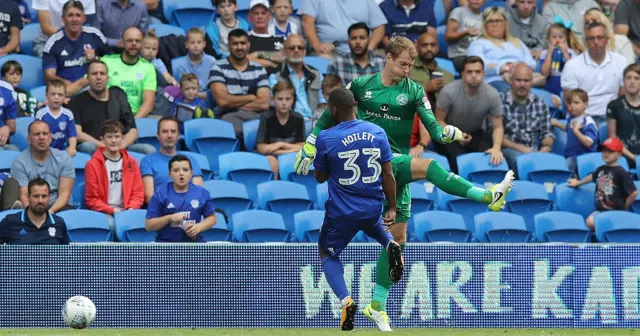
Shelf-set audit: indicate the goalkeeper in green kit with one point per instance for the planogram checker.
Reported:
(390, 100)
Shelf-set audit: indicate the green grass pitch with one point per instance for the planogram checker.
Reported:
(317, 332)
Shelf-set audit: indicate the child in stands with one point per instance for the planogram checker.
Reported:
(60, 119)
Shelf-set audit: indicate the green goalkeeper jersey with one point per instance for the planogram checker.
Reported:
(391, 107)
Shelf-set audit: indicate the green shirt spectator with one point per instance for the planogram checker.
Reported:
(134, 78)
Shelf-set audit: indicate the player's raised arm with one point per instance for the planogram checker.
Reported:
(445, 135)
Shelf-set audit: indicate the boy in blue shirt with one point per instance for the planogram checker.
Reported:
(59, 118)
(176, 209)
(189, 106)
(196, 61)
(354, 157)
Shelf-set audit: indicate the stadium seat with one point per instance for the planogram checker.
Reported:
(5, 213)
(27, 34)
(617, 227)
(6, 159)
(501, 227)
(589, 162)
(137, 156)
(219, 232)
(545, 96)
(476, 168)
(442, 160)
(243, 4)
(165, 29)
(86, 226)
(561, 226)
(130, 227)
(79, 201)
(322, 195)
(189, 14)
(442, 42)
(307, 224)
(494, 3)
(500, 85)
(79, 162)
(463, 206)
(320, 63)
(635, 207)
(203, 162)
(440, 226)
(528, 199)
(211, 138)
(285, 198)
(440, 12)
(39, 93)
(603, 132)
(259, 226)
(560, 143)
(447, 64)
(229, 196)
(285, 167)
(32, 73)
(19, 138)
(250, 133)
(148, 132)
(576, 200)
(421, 200)
(361, 237)
(547, 169)
(249, 169)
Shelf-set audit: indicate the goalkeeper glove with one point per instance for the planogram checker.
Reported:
(450, 134)
(306, 155)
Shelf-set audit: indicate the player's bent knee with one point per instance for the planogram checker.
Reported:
(419, 167)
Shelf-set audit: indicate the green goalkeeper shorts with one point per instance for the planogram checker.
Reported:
(402, 172)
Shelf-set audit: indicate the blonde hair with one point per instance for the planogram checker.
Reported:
(597, 14)
(493, 11)
(151, 34)
(399, 44)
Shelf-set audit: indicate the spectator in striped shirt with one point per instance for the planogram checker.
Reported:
(114, 16)
(239, 86)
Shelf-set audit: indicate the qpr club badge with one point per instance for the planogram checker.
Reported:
(402, 99)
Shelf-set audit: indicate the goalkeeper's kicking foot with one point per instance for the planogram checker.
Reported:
(349, 309)
(380, 318)
(396, 262)
(499, 192)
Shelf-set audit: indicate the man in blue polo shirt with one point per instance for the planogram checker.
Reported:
(408, 18)
(34, 225)
(68, 52)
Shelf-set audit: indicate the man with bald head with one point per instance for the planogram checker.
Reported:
(527, 122)
(133, 74)
(306, 79)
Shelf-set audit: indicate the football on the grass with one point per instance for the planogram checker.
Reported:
(79, 312)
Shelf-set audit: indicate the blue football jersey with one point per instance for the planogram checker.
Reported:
(194, 204)
(8, 107)
(352, 153)
(67, 56)
(62, 126)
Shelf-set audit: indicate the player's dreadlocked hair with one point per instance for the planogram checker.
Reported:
(398, 44)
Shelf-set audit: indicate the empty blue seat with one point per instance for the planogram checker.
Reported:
(589, 162)
(463, 206)
(285, 198)
(421, 200)
(243, 4)
(211, 138)
(39, 93)
(229, 196)
(617, 227)
(576, 200)
(361, 237)
(189, 14)
(250, 133)
(219, 232)
(441, 226)
(285, 168)
(435, 156)
(560, 143)
(635, 207)
(249, 169)
(545, 96)
(86, 226)
(4, 213)
(6, 160)
(259, 226)
(203, 162)
(500, 85)
(307, 224)
(447, 64)
(442, 42)
(165, 29)
(79, 162)
(440, 12)
(19, 138)
(322, 195)
(543, 168)
(32, 73)
(561, 226)
(27, 34)
(528, 199)
(501, 227)
(476, 168)
(603, 132)
(148, 131)
(130, 224)
(320, 63)
(137, 156)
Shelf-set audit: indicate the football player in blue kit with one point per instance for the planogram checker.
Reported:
(354, 156)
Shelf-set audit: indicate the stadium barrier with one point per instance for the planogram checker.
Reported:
(265, 285)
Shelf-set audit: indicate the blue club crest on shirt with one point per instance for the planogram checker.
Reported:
(62, 125)
(52, 231)
(195, 203)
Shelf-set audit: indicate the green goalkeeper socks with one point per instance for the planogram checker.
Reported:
(456, 185)
(383, 281)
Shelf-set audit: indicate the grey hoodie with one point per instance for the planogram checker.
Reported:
(534, 33)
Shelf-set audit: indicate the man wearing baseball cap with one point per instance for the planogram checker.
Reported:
(265, 49)
(614, 188)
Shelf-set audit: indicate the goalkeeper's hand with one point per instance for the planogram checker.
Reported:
(305, 157)
(450, 134)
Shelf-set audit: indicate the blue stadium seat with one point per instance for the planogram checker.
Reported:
(545, 96)
(322, 194)
(39, 93)
(543, 168)
(441, 226)
(32, 73)
(635, 207)
(259, 226)
(308, 225)
(79, 162)
(19, 138)
(421, 200)
(500, 85)
(442, 42)
(205, 167)
(560, 143)
(137, 156)
(285, 198)
(86, 226)
(249, 169)
(130, 227)
(463, 206)
(250, 133)
(211, 138)
(4, 213)
(320, 63)
(442, 160)
(229, 196)
(6, 159)
(447, 64)
(165, 29)
(576, 200)
(285, 167)
(561, 226)
(494, 3)
(79, 201)
(189, 14)
(603, 132)
(243, 4)
(617, 227)
(219, 232)
(361, 237)
(476, 168)
(148, 132)
(501, 227)
(440, 12)
(589, 162)
(528, 199)
(27, 34)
